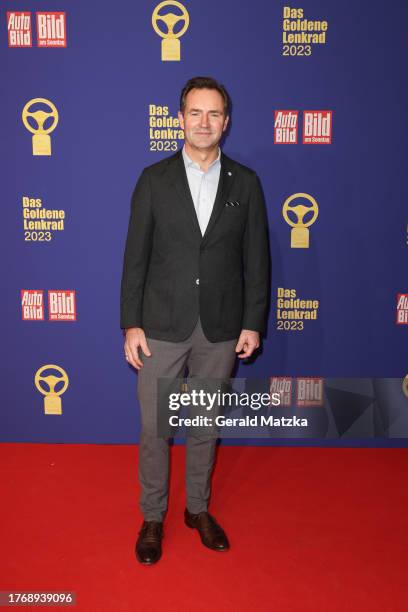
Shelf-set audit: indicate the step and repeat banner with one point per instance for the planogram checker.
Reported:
(90, 98)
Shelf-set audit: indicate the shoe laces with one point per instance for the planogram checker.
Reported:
(151, 531)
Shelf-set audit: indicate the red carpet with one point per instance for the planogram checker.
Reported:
(310, 529)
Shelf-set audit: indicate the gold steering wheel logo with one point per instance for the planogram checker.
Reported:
(299, 236)
(52, 400)
(170, 46)
(41, 138)
(405, 386)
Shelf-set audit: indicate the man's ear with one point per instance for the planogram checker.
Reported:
(181, 119)
(225, 123)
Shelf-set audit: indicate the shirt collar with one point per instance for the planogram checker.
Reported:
(189, 163)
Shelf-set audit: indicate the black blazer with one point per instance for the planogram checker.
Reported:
(172, 274)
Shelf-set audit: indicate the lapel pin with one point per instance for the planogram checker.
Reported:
(229, 173)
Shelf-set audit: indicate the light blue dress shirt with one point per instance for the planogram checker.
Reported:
(203, 187)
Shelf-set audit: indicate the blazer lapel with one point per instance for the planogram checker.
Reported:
(227, 176)
(178, 177)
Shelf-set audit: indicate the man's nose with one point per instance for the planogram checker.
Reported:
(204, 120)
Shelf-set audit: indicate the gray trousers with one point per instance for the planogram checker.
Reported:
(204, 359)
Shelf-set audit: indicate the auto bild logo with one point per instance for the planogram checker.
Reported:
(402, 309)
(283, 386)
(317, 127)
(32, 304)
(19, 29)
(51, 29)
(285, 129)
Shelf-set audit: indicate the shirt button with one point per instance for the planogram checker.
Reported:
(197, 281)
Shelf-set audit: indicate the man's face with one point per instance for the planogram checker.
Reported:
(203, 120)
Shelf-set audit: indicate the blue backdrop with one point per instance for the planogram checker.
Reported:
(103, 84)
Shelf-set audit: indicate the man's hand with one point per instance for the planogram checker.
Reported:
(248, 342)
(135, 338)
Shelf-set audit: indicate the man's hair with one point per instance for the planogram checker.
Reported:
(200, 82)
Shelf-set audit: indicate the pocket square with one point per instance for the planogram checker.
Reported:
(231, 203)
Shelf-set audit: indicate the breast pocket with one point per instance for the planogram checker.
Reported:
(232, 225)
(234, 211)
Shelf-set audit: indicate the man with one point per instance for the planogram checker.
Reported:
(194, 293)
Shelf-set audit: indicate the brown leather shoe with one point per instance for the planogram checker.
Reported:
(211, 534)
(148, 545)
